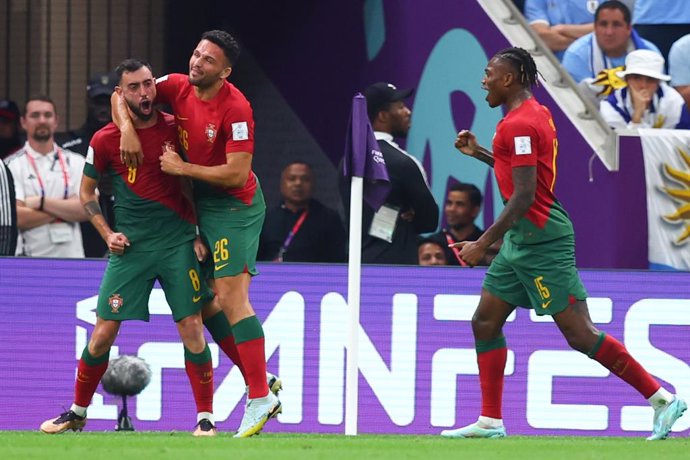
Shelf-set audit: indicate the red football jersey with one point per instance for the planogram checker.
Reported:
(149, 205)
(208, 130)
(526, 136)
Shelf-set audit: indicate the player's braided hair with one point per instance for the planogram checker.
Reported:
(521, 61)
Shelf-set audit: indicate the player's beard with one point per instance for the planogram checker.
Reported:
(137, 111)
(205, 81)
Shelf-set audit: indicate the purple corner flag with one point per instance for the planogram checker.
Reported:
(363, 157)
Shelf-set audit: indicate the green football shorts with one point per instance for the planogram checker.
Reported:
(129, 279)
(231, 230)
(540, 276)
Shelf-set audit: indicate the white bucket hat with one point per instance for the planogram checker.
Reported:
(644, 62)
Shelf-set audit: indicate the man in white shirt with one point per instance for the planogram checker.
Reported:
(46, 180)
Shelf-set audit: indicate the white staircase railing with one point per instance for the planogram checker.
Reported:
(581, 111)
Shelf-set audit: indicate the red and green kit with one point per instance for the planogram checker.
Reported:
(535, 267)
(230, 219)
(151, 210)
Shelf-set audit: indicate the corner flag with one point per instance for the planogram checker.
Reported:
(365, 165)
(363, 157)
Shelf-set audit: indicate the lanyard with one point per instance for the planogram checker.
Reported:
(63, 166)
(291, 235)
(456, 251)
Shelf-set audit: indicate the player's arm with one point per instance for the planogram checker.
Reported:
(200, 249)
(89, 200)
(525, 187)
(131, 152)
(234, 173)
(30, 216)
(466, 142)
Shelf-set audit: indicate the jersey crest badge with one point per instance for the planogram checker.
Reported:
(211, 132)
(115, 302)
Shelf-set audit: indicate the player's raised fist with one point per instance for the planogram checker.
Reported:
(466, 142)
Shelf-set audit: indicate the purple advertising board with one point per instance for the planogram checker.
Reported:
(418, 372)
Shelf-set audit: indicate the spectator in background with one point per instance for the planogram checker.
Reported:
(662, 21)
(463, 204)
(301, 229)
(10, 140)
(605, 48)
(389, 236)
(647, 101)
(8, 213)
(679, 67)
(46, 180)
(429, 252)
(560, 23)
(98, 91)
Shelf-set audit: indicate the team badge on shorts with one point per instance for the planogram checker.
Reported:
(115, 302)
(211, 132)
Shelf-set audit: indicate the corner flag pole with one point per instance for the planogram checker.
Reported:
(354, 278)
(365, 165)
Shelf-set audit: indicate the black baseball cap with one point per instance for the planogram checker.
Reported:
(380, 94)
(102, 84)
(9, 110)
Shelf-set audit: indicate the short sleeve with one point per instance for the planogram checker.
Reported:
(76, 170)
(239, 126)
(167, 87)
(523, 143)
(679, 62)
(536, 11)
(96, 161)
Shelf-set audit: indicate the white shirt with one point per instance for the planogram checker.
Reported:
(667, 110)
(61, 239)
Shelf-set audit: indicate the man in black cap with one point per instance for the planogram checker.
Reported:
(10, 140)
(98, 91)
(389, 236)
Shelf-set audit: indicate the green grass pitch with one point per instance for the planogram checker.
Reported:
(178, 445)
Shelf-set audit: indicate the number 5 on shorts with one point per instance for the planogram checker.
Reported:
(543, 290)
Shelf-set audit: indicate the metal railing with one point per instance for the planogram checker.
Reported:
(581, 111)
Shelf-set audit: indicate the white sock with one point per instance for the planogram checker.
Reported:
(205, 415)
(79, 410)
(488, 422)
(660, 398)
